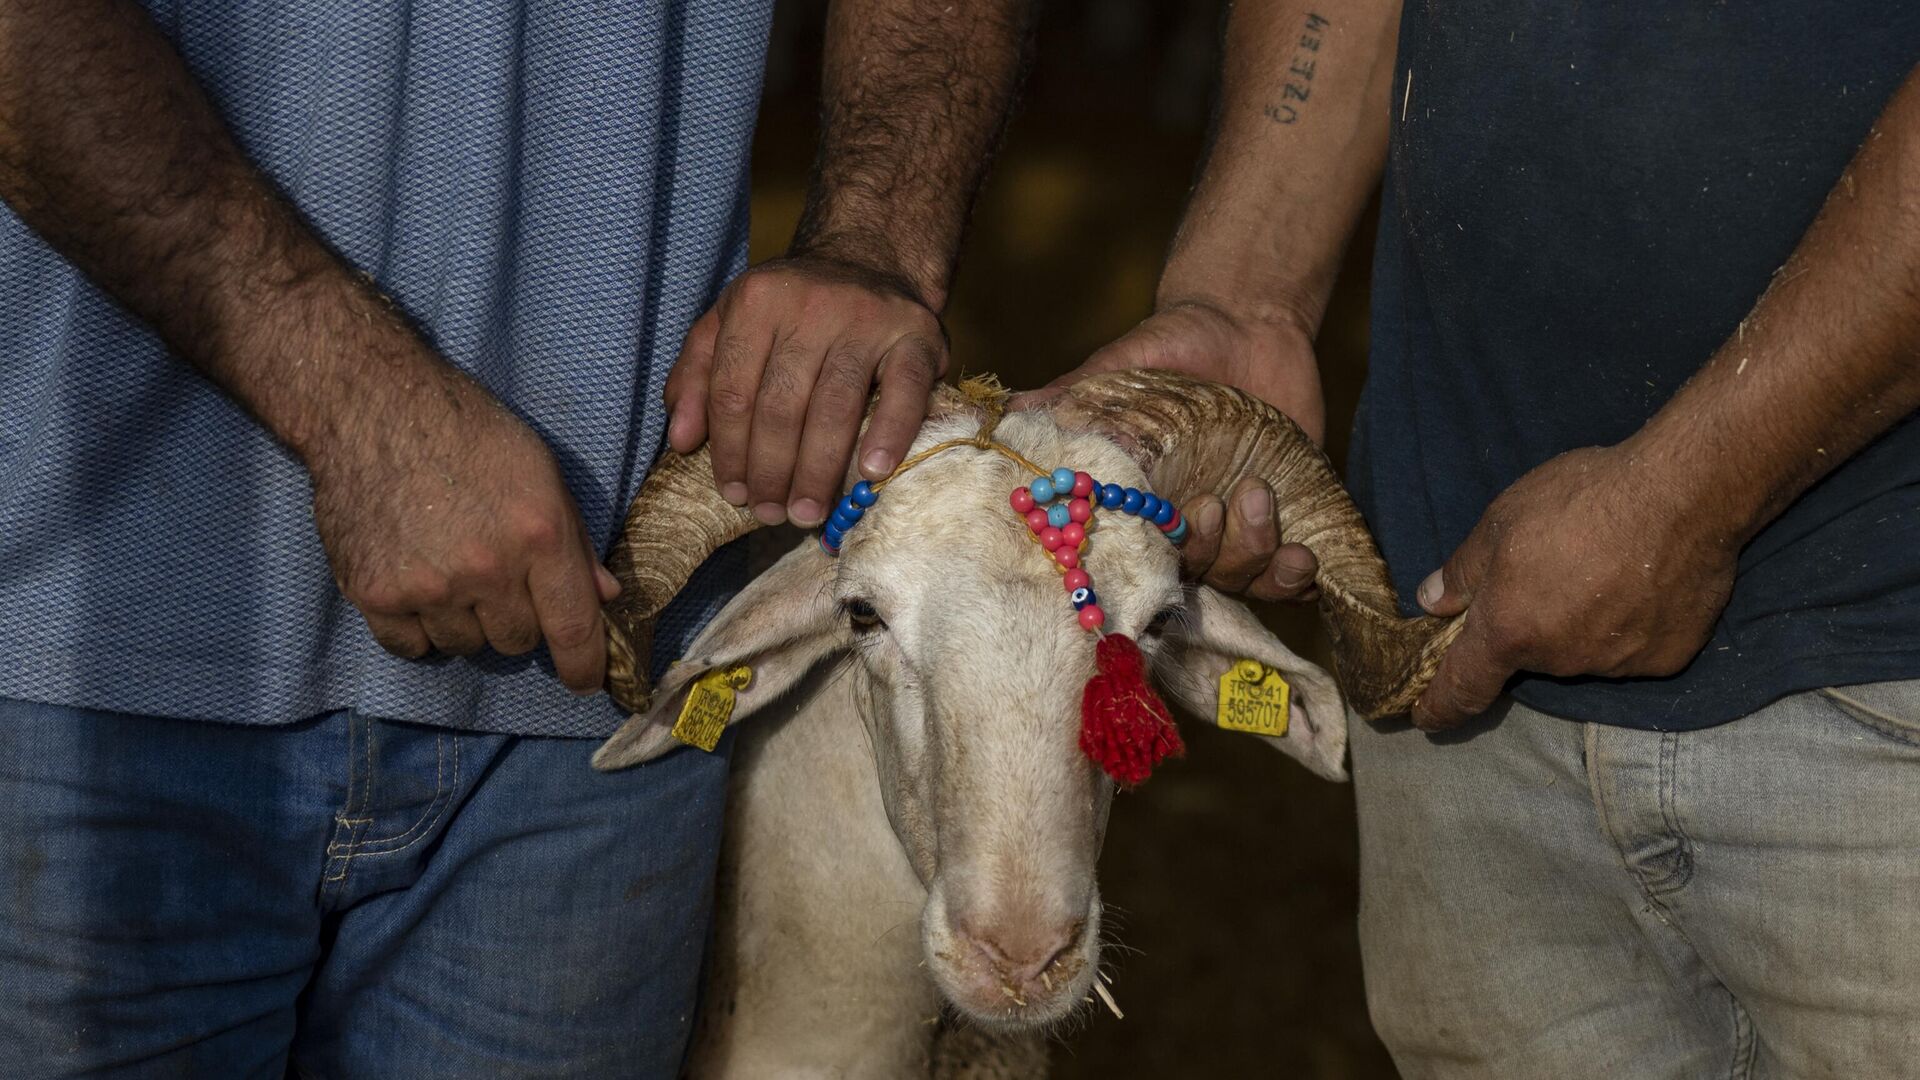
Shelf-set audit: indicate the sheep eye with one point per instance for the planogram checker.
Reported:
(1158, 624)
(861, 616)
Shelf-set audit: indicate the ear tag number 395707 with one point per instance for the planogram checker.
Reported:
(709, 705)
(1253, 698)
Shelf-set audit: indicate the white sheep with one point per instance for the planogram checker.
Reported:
(907, 885)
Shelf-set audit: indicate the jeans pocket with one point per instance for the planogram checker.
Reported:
(1888, 708)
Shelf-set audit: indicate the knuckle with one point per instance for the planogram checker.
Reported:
(536, 528)
(570, 633)
(730, 403)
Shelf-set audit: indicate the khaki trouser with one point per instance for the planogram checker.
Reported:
(1544, 898)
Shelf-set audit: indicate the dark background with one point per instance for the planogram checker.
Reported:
(1230, 878)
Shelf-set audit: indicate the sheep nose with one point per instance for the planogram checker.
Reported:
(1021, 953)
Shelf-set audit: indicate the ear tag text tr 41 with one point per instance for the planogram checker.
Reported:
(709, 705)
(1253, 698)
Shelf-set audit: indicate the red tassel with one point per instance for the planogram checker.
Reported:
(1124, 726)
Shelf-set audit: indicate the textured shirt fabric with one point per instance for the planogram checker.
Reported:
(1582, 203)
(551, 190)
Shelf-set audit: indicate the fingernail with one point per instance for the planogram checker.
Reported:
(609, 585)
(1431, 589)
(804, 513)
(1207, 519)
(735, 493)
(770, 513)
(1257, 505)
(876, 464)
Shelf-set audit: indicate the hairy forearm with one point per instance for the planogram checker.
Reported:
(1828, 359)
(915, 96)
(1299, 140)
(111, 151)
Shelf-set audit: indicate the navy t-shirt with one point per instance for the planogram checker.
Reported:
(1582, 202)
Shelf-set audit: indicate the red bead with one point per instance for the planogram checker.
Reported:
(1075, 579)
(1067, 557)
(1172, 523)
(1050, 538)
(1022, 500)
(1092, 618)
(1036, 519)
(1074, 534)
(1082, 486)
(1079, 509)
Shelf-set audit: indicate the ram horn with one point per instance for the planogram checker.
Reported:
(673, 525)
(1194, 437)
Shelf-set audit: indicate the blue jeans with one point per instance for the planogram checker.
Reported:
(1544, 898)
(345, 897)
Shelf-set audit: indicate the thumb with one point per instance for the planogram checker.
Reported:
(1447, 591)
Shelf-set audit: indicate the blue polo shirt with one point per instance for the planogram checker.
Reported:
(1582, 202)
(552, 191)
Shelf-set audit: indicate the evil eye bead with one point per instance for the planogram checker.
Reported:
(1082, 597)
(1149, 505)
(1092, 618)
(1022, 500)
(1164, 516)
(1068, 558)
(1083, 485)
(1074, 534)
(1036, 519)
(1112, 495)
(1131, 501)
(1079, 510)
(1041, 489)
(1058, 515)
(863, 495)
(1062, 481)
(1075, 579)
(1050, 538)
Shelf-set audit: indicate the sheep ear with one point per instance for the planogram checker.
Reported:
(1213, 635)
(779, 627)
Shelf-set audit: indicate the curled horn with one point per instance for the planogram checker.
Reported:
(1195, 437)
(676, 521)
(674, 524)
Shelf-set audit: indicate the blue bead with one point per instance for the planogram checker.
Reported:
(832, 535)
(863, 494)
(841, 520)
(1042, 489)
(1179, 532)
(1164, 514)
(1057, 515)
(1063, 481)
(1149, 505)
(847, 504)
(1130, 504)
(1112, 495)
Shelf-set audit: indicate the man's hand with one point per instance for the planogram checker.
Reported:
(1592, 564)
(449, 527)
(776, 378)
(1234, 545)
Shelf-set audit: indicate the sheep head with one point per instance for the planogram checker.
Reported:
(966, 664)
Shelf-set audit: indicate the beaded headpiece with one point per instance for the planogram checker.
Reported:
(1125, 727)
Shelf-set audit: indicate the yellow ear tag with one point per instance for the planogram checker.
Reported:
(1253, 698)
(709, 705)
